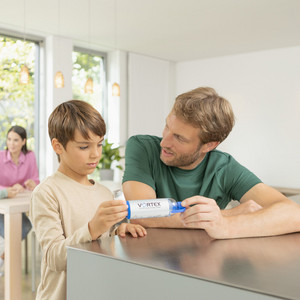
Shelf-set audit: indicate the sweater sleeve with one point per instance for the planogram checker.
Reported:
(47, 224)
(3, 193)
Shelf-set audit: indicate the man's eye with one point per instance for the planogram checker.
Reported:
(100, 145)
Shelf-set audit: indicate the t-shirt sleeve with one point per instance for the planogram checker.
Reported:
(237, 179)
(138, 164)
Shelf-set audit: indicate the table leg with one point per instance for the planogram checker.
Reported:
(13, 256)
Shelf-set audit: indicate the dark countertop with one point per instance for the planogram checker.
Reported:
(269, 265)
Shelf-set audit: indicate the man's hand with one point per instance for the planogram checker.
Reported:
(135, 230)
(107, 214)
(205, 214)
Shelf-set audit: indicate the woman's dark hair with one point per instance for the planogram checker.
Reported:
(22, 133)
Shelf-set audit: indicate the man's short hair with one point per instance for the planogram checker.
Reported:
(203, 108)
(74, 115)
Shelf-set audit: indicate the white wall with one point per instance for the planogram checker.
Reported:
(264, 90)
(117, 105)
(150, 90)
(58, 57)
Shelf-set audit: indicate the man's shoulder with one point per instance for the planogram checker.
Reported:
(221, 158)
(148, 143)
(219, 155)
(144, 139)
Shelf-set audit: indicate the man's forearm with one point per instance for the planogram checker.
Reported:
(278, 218)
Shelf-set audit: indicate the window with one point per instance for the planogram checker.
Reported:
(18, 102)
(90, 64)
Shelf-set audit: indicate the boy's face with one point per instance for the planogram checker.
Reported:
(80, 157)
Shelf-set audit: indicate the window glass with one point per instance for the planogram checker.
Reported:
(90, 65)
(17, 100)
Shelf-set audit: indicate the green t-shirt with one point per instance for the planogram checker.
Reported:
(219, 176)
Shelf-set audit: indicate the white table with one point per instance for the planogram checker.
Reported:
(12, 210)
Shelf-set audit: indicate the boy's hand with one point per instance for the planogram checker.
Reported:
(134, 229)
(107, 214)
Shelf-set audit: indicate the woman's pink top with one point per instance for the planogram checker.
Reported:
(10, 173)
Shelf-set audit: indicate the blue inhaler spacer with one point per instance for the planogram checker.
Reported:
(177, 208)
(129, 210)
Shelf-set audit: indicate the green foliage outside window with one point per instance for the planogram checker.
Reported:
(88, 65)
(16, 100)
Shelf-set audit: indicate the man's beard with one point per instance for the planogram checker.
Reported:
(183, 160)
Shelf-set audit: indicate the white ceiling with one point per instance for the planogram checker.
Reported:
(176, 30)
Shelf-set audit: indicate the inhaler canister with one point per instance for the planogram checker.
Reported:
(153, 208)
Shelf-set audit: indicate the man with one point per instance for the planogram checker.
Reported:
(184, 165)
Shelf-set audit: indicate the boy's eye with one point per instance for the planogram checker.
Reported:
(84, 147)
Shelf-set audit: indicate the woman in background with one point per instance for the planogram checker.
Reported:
(19, 171)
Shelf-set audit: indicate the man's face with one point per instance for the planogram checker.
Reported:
(180, 145)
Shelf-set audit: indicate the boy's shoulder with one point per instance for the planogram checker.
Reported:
(49, 183)
(59, 181)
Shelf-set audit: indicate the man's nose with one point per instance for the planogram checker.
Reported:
(166, 141)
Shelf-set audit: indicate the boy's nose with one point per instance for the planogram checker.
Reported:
(95, 152)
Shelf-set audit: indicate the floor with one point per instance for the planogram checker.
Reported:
(27, 293)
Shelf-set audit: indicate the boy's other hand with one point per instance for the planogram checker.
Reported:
(107, 214)
(134, 229)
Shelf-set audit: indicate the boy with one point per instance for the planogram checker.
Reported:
(67, 208)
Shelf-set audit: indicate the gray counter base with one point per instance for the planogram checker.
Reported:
(93, 276)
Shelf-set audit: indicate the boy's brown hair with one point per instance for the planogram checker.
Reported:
(72, 115)
(203, 108)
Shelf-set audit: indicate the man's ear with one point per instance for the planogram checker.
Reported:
(57, 146)
(209, 146)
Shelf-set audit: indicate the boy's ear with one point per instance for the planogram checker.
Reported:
(210, 146)
(57, 146)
